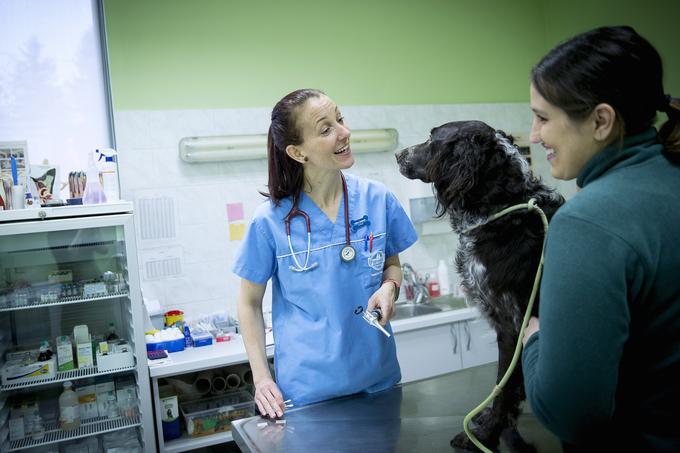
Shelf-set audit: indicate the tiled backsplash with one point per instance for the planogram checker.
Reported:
(187, 264)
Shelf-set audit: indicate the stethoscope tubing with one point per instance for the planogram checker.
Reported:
(295, 212)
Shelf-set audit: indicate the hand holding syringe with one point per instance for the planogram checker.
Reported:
(372, 317)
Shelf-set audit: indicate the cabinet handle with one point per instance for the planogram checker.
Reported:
(454, 337)
(469, 335)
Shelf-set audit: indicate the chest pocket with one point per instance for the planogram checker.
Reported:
(372, 261)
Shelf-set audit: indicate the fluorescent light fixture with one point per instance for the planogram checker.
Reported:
(249, 147)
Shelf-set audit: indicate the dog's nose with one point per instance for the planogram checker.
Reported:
(400, 155)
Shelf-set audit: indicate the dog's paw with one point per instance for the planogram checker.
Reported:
(463, 442)
(482, 418)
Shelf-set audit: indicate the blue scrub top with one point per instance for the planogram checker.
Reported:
(323, 349)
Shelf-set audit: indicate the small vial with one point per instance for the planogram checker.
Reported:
(112, 408)
(38, 427)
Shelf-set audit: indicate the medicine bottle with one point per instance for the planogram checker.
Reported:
(69, 410)
(444, 281)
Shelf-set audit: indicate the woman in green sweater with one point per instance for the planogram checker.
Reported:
(603, 371)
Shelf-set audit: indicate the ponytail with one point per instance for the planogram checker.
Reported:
(670, 131)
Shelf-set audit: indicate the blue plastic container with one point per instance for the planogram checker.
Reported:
(170, 346)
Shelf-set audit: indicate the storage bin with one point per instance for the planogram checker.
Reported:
(112, 361)
(214, 415)
(170, 346)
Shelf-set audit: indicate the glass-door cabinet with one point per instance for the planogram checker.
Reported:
(73, 370)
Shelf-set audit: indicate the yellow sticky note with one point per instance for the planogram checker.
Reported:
(236, 231)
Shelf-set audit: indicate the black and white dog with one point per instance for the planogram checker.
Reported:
(477, 171)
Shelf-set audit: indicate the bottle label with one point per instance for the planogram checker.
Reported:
(69, 414)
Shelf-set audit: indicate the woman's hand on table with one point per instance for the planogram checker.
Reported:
(268, 398)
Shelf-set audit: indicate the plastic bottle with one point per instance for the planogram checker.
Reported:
(187, 337)
(444, 281)
(107, 162)
(433, 288)
(38, 431)
(129, 406)
(45, 352)
(69, 410)
(112, 333)
(112, 410)
(94, 193)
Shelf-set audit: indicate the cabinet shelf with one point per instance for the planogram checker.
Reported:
(70, 375)
(68, 301)
(186, 443)
(56, 269)
(91, 427)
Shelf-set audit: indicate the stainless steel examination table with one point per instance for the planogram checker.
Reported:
(420, 416)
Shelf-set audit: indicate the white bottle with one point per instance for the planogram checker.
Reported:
(444, 281)
(69, 410)
(94, 193)
(38, 432)
(107, 162)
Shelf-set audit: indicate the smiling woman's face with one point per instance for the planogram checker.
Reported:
(325, 135)
(569, 144)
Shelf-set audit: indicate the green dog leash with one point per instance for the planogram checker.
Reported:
(531, 206)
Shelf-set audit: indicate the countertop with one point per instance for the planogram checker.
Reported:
(453, 309)
(420, 416)
(233, 352)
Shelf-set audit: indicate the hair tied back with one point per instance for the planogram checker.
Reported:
(665, 103)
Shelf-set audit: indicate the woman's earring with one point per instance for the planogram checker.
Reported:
(306, 158)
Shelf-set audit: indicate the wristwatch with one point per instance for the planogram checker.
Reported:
(397, 285)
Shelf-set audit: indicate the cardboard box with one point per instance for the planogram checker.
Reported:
(65, 360)
(27, 369)
(87, 399)
(106, 391)
(83, 344)
(112, 361)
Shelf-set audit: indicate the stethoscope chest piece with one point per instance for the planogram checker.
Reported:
(347, 253)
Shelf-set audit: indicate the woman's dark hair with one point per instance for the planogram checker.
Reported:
(612, 65)
(285, 174)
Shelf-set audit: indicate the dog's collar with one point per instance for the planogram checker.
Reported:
(531, 204)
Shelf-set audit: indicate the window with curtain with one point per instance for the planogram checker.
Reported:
(54, 92)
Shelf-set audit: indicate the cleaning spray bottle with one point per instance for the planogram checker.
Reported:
(107, 162)
(94, 193)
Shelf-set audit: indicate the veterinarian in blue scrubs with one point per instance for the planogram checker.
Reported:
(603, 371)
(324, 272)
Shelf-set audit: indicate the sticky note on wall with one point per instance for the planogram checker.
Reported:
(236, 231)
(234, 212)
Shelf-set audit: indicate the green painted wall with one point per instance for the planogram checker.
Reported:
(175, 54)
(656, 20)
(247, 53)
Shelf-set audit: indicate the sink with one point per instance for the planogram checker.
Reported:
(403, 311)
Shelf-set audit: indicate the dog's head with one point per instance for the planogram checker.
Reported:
(474, 168)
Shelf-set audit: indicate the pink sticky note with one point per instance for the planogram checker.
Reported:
(234, 211)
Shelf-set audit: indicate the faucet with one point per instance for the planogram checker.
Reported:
(415, 286)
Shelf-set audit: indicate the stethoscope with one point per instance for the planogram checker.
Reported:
(347, 253)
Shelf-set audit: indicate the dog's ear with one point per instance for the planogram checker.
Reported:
(456, 166)
(506, 136)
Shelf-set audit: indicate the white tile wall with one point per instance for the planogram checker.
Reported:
(149, 160)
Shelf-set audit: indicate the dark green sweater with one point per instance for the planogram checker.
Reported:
(604, 370)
